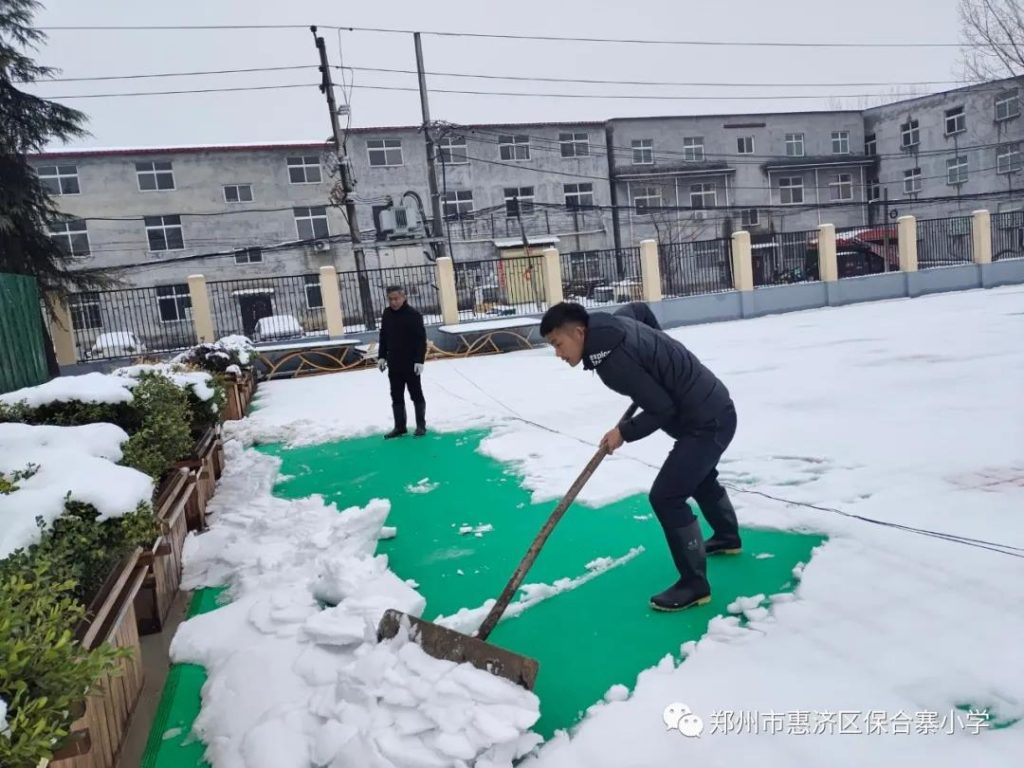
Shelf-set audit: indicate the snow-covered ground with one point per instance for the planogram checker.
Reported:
(909, 412)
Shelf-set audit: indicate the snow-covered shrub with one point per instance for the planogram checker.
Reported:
(222, 356)
(45, 672)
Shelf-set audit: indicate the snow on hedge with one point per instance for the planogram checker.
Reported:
(294, 684)
(75, 461)
(87, 388)
(199, 382)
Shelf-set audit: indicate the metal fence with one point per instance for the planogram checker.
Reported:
(269, 308)
(22, 343)
(785, 257)
(944, 242)
(131, 321)
(1008, 235)
(419, 282)
(692, 268)
(593, 278)
(500, 287)
(867, 250)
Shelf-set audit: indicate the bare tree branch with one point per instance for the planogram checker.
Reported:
(993, 38)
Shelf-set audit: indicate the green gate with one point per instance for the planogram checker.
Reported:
(22, 350)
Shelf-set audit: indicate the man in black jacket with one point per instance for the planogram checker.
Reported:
(402, 346)
(681, 397)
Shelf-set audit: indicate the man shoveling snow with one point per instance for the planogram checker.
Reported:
(683, 398)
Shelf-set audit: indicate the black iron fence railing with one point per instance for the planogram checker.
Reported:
(418, 281)
(593, 278)
(692, 268)
(500, 287)
(1008, 235)
(268, 309)
(944, 242)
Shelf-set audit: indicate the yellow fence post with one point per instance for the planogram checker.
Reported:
(330, 294)
(650, 271)
(446, 290)
(742, 262)
(907, 233)
(202, 319)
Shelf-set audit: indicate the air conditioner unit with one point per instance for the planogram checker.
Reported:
(321, 246)
(400, 222)
(700, 215)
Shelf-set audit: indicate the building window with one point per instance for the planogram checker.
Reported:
(59, 179)
(750, 217)
(1007, 105)
(646, 198)
(514, 147)
(703, 196)
(238, 193)
(693, 148)
(525, 201)
(791, 190)
(85, 311)
(384, 153)
(745, 145)
(72, 237)
(643, 152)
(840, 142)
(157, 175)
(910, 134)
(870, 145)
(912, 181)
(842, 187)
(304, 169)
(1008, 158)
(164, 233)
(956, 121)
(249, 256)
(578, 195)
(956, 170)
(574, 144)
(453, 150)
(174, 302)
(314, 296)
(794, 145)
(874, 190)
(311, 223)
(458, 204)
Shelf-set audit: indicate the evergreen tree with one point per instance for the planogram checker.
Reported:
(27, 124)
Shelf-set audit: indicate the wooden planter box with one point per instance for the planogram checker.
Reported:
(205, 466)
(240, 391)
(99, 733)
(163, 560)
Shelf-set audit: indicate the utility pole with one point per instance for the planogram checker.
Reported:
(327, 87)
(614, 195)
(435, 197)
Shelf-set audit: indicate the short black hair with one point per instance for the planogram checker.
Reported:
(562, 314)
(394, 289)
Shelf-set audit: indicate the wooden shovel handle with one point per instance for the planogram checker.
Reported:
(531, 554)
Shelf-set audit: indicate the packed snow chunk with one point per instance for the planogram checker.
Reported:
(336, 627)
(763, 556)
(63, 462)
(87, 388)
(423, 486)
(742, 604)
(757, 614)
(275, 744)
(617, 693)
(366, 585)
(388, 532)
(478, 530)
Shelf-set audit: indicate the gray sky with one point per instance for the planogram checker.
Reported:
(300, 113)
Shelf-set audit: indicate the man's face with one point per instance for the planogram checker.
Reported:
(568, 343)
(396, 299)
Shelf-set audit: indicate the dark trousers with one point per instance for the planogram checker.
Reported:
(690, 471)
(400, 379)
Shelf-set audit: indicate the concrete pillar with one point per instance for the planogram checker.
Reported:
(981, 233)
(828, 264)
(742, 262)
(446, 290)
(907, 234)
(62, 331)
(330, 294)
(202, 318)
(553, 276)
(650, 270)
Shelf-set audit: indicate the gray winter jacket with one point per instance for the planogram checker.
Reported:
(675, 391)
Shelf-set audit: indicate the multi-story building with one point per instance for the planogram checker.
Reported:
(153, 216)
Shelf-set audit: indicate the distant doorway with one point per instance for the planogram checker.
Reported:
(254, 307)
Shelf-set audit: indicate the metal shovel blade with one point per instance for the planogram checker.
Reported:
(449, 645)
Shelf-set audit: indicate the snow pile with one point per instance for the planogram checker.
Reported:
(76, 461)
(294, 683)
(423, 486)
(477, 531)
(198, 381)
(87, 388)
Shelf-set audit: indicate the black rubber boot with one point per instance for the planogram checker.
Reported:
(399, 430)
(421, 419)
(687, 548)
(725, 537)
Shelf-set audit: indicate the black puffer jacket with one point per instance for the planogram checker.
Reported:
(403, 338)
(639, 311)
(675, 391)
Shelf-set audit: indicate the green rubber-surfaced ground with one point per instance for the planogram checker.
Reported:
(586, 640)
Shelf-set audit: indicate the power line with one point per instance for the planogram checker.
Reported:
(509, 36)
(655, 82)
(174, 93)
(170, 74)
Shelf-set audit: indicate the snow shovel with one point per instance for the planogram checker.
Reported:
(449, 645)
